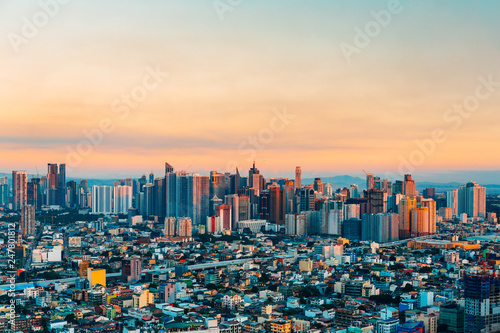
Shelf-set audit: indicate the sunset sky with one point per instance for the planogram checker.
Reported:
(230, 73)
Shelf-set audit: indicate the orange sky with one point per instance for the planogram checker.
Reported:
(226, 79)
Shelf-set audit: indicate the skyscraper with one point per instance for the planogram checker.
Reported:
(169, 228)
(184, 227)
(452, 201)
(472, 200)
(406, 205)
(277, 205)
(27, 225)
(409, 186)
(298, 178)
(19, 189)
(234, 201)
(482, 300)
(122, 199)
(226, 216)
(370, 181)
(102, 199)
(4, 191)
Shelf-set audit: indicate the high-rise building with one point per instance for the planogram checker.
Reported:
(482, 300)
(201, 198)
(420, 222)
(377, 201)
(122, 199)
(298, 178)
(217, 187)
(184, 227)
(380, 228)
(234, 182)
(27, 225)
(226, 216)
(168, 168)
(277, 205)
(331, 216)
(244, 209)
(406, 205)
(370, 181)
(307, 198)
(472, 200)
(351, 229)
(452, 201)
(430, 204)
(102, 199)
(214, 225)
(131, 270)
(451, 316)
(234, 201)
(296, 224)
(318, 185)
(19, 189)
(4, 191)
(409, 186)
(169, 228)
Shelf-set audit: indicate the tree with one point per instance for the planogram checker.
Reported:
(70, 318)
(408, 288)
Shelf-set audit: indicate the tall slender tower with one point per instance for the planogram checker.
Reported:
(298, 178)
(19, 189)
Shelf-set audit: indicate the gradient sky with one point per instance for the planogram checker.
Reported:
(228, 77)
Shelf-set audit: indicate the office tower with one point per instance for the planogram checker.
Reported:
(168, 168)
(288, 187)
(398, 187)
(160, 199)
(184, 227)
(298, 178)
(84, 195)
(472, 200)
(61, 190)
(430, 204)
(151, 179)
(172, 194)
(452, 315)
(131, 270)
(102, 199)
(377, 183)
(217, 186)
(277, 205)
(387, 186)
(328, 190)
(296, 224)
(351, 211)
(122, 199)
(263, 207)
(234, 201)
(244, 208)
(370, 181)
(169, 228)
(354, 191)
(226, 216)
(214, 203)
(393, 202)
(19, 189)
(71, 194)
(406, 205)
(351, 229)
(4, 191)
(33, 193)
(429, 193)
(253, 171)
(307, 198)
(318, 185)
(409, 186)
(53, 184)
(377, 201)
(235, 182)
(452, 201)
(201, 199)
(27, 224)
(482, 300)
(96, 276)
(257, 183)
(147, 200)
(186, 202)
(380, 228)
(214, 224)
(420, 222)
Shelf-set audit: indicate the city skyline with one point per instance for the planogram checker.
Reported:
(218, 81)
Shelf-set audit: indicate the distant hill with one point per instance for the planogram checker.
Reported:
(339, 181)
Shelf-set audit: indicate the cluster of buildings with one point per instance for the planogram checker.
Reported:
(231, 253)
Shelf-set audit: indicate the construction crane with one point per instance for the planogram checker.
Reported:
(483, 262)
